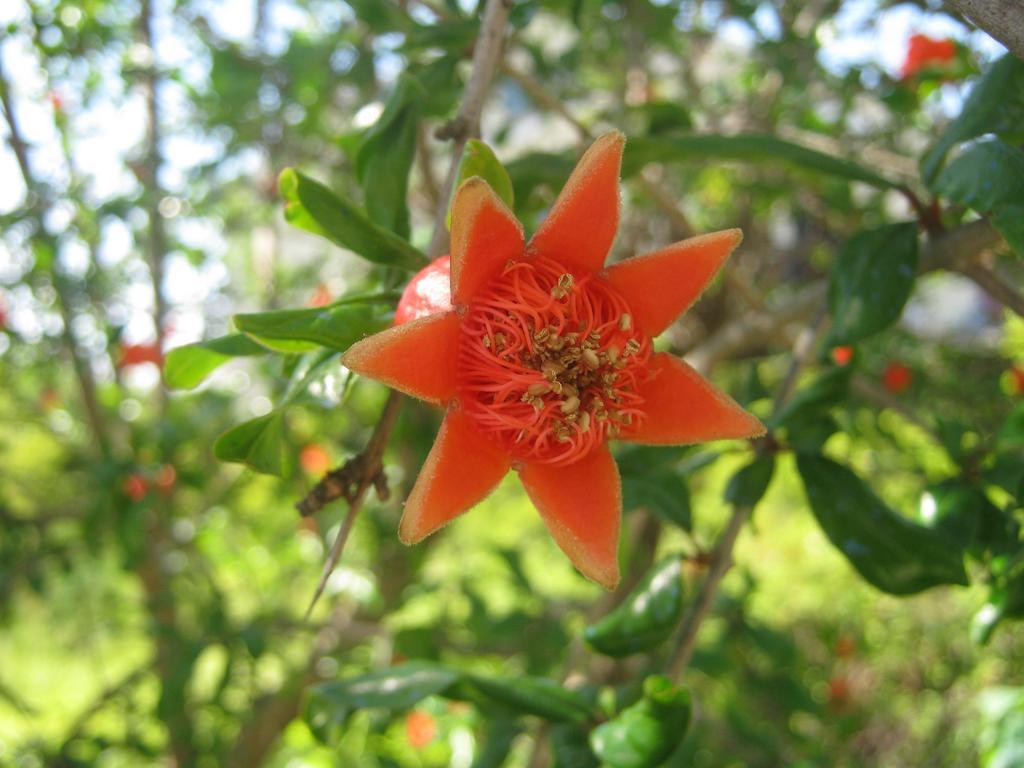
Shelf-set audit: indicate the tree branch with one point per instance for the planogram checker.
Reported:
(352, 485)
(721, 560)
(1003, 19)
(466, 123)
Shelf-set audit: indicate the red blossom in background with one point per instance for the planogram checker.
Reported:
(314, 459)
(897, 378)
(420, 728)
(546, 355)
(139, 354)
(135, 486)
(842, 355)
(321, 296)
(924, 51)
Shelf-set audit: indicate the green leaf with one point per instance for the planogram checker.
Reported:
(966, 516)
(385, 157)
(995, 105)
(889, 551)
(479, 160)
(187, 366)
(985, 175)
(1009, 220)
(645, 734)
(311, 206)
(396, 688)
(571, 749)
(259, 444)
(1011, 434)
(662, 492)
(530, 695)
(749, 147)
(751, 482)
(829, 389)
(871, 281)
(336, 326)
(647, 616)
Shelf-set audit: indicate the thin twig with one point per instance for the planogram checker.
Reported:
(371, 461)
(548, 101)
(466, 123)
(721, 560)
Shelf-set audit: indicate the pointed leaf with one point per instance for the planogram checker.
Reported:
(385, 157)
(187, 366)
(530, 695)
(646, 617)
(337, 326)
(750, 483)
(985, 175)
(479, 160)
(888, 550)
(995, 105)
(871, 281)
(259, 444)
(311, 206)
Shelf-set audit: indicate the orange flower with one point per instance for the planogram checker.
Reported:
(420, 728)
(923, 51)
(545, 355)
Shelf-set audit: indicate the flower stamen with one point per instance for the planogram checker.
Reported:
(550, 362)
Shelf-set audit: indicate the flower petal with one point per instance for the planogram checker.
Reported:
(582, 507)
(417, 357)
(581, 226)
(485, 236)
(462, 468)
(660, 286)
(683, 407)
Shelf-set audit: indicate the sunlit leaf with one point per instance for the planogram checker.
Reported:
(189, 365)
(336, 326)
(385, 157)
(478, 159)
(311, 206)
(647, 616)
(259, 444)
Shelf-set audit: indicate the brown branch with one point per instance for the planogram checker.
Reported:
(995, 285)
(352, 485)
(1003, 19)
(721, 560)
(466, 123)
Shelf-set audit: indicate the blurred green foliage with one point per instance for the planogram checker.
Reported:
(152, 598)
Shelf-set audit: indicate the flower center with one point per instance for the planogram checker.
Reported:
(549, 362)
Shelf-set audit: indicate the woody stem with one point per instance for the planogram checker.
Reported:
(466, 123)
(721, 560)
